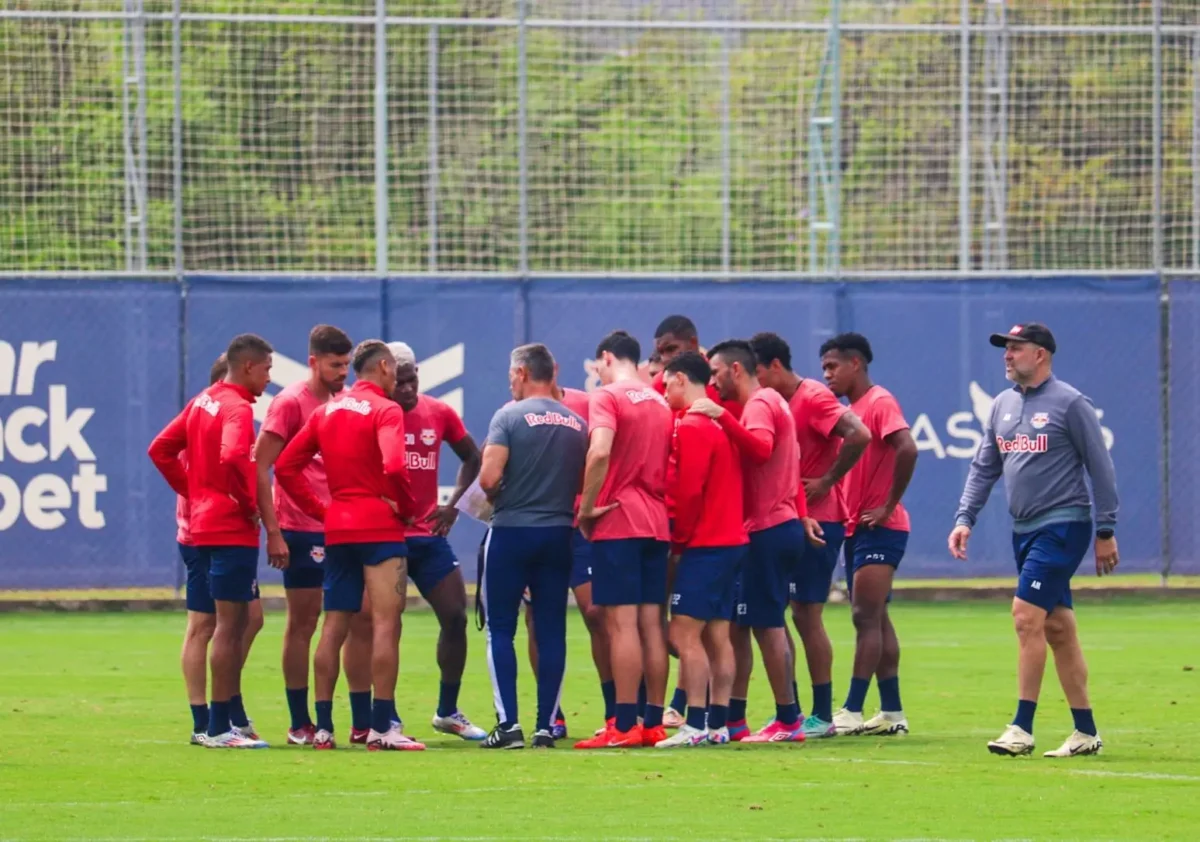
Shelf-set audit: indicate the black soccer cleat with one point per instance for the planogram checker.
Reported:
(542, 739)
(512, 737)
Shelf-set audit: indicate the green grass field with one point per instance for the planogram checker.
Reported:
(94, 723)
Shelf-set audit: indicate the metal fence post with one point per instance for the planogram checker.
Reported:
(177, 132)
(964, 147)
(432, 188)
(381, 140)
(522, 141)
(1196, 151)
(726, 154)
(1157, 248)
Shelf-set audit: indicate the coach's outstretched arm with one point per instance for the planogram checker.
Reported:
(985, 469)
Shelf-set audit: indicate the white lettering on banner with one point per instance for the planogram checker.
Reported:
(963, 430)
(32, 435)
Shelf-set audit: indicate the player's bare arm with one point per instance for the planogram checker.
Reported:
(855, 437)
(902, 442)
(266, 451)
(491, 470)
(595, 471)
(444, 517)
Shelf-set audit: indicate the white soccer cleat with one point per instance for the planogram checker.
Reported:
(848, 723)
(1015, 742)
(246, 730)
(456, 724)
(393, 740)
(323, 740)
(1077, 745)
(199, 738)
(685, 737)
(673, 718)
(886, 723)
(232, 739)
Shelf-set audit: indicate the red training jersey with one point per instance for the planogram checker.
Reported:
(285, 418)
(642, 424)
(708, 487)
(869, 482)
(361, 436)
(426, 426)
(817, 411)
(771, 486)
(577, 401)
(216, 428)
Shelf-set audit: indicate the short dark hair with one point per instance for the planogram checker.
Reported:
(735, 351)
(367, 352)
(654, 357)
(622, 346)
(219, 369)
(769, 347)
(681, 327)
(327, 339)
(849, 343)
(247, 346)
(694, 366)
(537, 360)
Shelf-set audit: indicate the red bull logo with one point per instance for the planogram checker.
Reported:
(1022, 443)
(416, 462)
(556, 419)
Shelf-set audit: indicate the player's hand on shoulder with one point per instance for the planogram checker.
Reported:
(813, 531)
(957, 541)
(707, 406)
(1107, 557)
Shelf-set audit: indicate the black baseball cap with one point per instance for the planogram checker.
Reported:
(1034, 332)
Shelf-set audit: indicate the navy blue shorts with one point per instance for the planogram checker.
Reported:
(629, 571)
(874, 546)
(1047, 558)
(813, 576)
(581, 560)
(196, 592)
(706, 582)
(774, 557)
(232, 572)
(306, 559)
(344, 565)
(430, 560)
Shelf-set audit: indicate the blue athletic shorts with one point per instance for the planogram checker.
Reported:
(430, 560)
(581, 560)
(706, 582)
(1047, 558)
(306, 559)
(232, 572)
(813, 576)
(344, 565)
(629, 571)
(767, 573)
(874, 546)
(196, 592)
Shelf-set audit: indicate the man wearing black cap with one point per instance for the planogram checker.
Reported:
(1042, 436)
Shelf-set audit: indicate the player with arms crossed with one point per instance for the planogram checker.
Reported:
(216, 429)
(1043, 436)
(201, 611)
(831, 439)
(709, 541)
(876, 533)
(291, 534)
(432, 565)
(360, 436)
(623, 511)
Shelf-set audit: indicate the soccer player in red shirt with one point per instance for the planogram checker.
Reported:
(201, 610)
(623, 512)
(877, 530)
(291, 534)
(708, 540)
(216, 428)
(360, 436)
(432, 565)
(831, 439)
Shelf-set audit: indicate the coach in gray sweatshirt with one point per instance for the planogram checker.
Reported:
(1042, 436)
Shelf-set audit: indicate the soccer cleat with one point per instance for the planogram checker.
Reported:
(886, 723)
(393, 740)
(1077, 745)
(559, 729)
(718, 737)
(848, 723)
(673, 719)
(246, 730)
(323, 740)
(816, 728)
(232, 739)
(685, 737)
(542, 739)
(1015, 741)
(612, 738)
(359, 736)
(199, 738)
(456, 724)
(608, 723)
(302, 736)
(513, 737)
(738, 731)
(653, 736)
(777, 732)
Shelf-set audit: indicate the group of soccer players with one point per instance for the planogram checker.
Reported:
(722, 487)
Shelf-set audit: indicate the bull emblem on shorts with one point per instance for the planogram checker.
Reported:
(317, 554)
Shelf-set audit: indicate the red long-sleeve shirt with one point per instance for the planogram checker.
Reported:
(708, 487)
(216, 429)
(360, 436)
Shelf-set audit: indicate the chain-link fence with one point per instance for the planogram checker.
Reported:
(578, 136)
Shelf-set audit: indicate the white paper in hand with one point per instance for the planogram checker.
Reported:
(475, 504)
